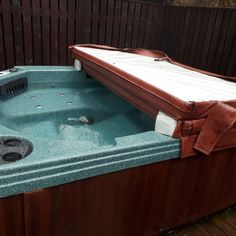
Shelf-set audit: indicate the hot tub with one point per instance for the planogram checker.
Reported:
(76, 159)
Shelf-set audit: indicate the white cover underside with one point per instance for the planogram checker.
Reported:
(182, 83)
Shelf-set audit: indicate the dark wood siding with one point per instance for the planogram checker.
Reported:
(142, 201)
(12, 216)
(39, 32)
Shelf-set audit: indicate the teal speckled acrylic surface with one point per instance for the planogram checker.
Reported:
(48, 115)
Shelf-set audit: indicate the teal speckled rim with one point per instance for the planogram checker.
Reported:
(60, 161)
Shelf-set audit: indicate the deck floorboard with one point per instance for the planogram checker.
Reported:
(221, 224)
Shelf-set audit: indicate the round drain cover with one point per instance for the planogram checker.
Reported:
(13, 149)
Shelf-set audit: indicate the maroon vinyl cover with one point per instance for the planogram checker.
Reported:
(201, 126)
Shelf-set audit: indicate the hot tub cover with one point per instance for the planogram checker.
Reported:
(201, 106)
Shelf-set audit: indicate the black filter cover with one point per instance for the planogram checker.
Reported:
(13, 88)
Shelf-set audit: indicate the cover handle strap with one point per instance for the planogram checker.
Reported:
(220, 119)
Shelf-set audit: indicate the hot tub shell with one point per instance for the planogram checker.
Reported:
(137, 187)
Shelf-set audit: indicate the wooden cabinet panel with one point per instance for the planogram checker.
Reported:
(12, 216)
(139, 201)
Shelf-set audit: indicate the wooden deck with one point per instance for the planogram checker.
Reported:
(221, 224)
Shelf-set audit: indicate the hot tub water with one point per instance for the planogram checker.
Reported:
(69, 112)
